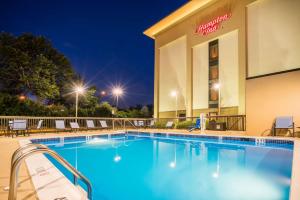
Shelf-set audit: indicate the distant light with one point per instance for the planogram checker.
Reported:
(22, 97)
(79, 89)
(174, 93)
(172, 164)
(103, 93)
(217, 86)
(215, 175)
(117, 158)
(117, 91)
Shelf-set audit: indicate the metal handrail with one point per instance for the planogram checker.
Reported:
(23, 148)
(131, 123)
(17, 162)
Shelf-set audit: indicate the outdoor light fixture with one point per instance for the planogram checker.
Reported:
(174, 94)
(78, 90)
(117, 92)
(103, 93)
(22, 97)
(217, 86)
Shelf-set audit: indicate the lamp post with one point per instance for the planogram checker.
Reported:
(175, 95)
(117, 92)
(78, 90)
(217, 86)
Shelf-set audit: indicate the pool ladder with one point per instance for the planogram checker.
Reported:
(31, 149)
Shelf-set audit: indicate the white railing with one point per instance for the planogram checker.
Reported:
(233, 122)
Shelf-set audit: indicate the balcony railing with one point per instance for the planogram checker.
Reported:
(233, 122)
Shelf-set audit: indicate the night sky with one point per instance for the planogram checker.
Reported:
(103, 39)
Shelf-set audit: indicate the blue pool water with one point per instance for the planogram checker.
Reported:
(145, 168)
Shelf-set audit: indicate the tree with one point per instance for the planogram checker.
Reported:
(89, 99)
(145, 111)
(103, 110)
(29, 64)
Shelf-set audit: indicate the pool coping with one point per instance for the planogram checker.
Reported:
(48, 181)
(295, 176)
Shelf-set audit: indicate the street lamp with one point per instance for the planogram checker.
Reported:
(217, 86)
(117, 92)
(22, 97)
(103, 93)
(78, 90)
(175, 95)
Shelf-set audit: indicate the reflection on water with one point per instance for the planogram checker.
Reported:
(145, 168)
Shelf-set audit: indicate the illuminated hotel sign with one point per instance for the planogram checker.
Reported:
(212, 25)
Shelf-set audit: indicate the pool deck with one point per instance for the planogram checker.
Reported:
(26, 189)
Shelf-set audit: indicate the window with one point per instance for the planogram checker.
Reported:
(213, 48)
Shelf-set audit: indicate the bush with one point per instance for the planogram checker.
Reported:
(11, 105)
(160, 124)
(184, 124)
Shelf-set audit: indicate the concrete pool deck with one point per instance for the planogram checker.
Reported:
(26, 190)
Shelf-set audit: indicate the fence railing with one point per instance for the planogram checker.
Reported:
(233, 122)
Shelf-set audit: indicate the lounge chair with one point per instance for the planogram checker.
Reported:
(196, 126)
(152, 124)
(19, 126)
(103, 124)
(9, 128)
(286, 123)
(169, 124)
(60, 125)
(141, 123)
(90, 124)
(39, 126)
(138, 123)
(74, 126)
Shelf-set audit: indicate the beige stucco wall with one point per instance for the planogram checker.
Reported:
(271, 96)
(273, 36)
(187, 28)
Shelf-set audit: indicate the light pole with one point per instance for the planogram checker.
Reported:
(117, 92)
(217, 86)
(78, 90)
(175, 95)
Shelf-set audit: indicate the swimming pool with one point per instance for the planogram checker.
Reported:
(171, 166)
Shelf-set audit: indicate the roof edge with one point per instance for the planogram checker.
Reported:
(181, 13)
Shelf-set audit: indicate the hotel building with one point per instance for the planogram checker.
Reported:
(249, 48)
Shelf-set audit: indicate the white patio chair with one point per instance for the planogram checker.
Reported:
(103, 123)
(19, 125)
(90, 124)
(74, 126)
(152, 124)
(141, 123)
(60, 125)
(169, 124)
(40, 123)
(38, 126)
(285, 122)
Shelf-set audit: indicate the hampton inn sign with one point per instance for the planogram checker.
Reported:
(212, 25)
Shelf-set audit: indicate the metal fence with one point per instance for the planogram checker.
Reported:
(233, 122)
